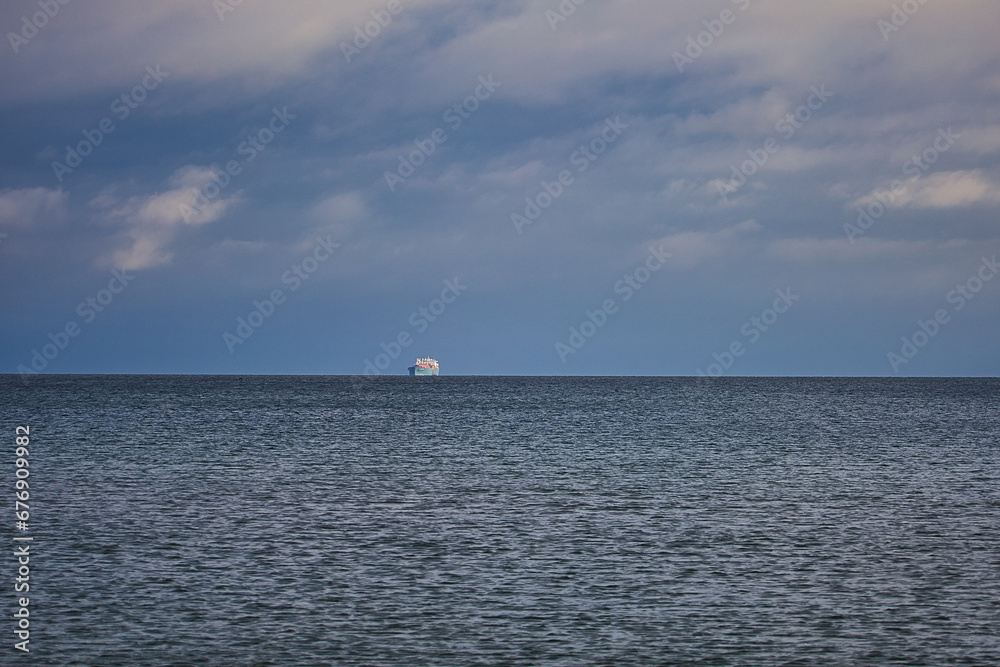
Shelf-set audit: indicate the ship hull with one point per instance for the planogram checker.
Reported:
(417, 370)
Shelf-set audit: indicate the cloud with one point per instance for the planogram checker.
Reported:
(260, 42)
(340, 209)
(984, 140)
(31, 206)
(949, 189)
(691, 248)
(152, 222)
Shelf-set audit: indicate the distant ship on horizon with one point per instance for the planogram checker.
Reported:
(424, 366)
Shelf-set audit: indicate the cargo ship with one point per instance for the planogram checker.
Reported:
(424, 366)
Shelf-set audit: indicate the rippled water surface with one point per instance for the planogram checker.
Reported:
(509, 521)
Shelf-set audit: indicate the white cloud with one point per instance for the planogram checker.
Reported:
(752, 117)
(339, 208)
(785, 45)
(152, 222)
(516, 175)
(694, 247)
(948, 189)
(982, 140)
(340, 213)
(31, 206)
(263, 42)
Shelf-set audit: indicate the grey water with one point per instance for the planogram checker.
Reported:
(199, 520)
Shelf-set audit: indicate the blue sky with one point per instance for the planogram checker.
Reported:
(748, 187)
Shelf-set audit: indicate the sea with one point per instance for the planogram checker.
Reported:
(265, 520)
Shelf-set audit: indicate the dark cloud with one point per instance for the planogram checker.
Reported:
(765, 145)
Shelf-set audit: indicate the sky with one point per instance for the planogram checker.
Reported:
(519, 187)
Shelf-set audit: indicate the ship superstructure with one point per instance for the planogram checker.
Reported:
(424, 366)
